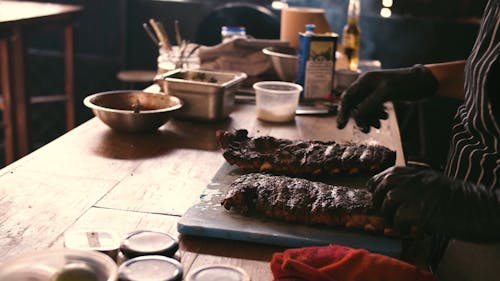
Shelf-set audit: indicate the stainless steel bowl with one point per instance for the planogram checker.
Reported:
(284, 60)
(206, 95)
(133, 111)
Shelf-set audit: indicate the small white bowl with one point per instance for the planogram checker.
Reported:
(276, 101)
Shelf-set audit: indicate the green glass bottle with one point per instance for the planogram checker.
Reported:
(351, 35)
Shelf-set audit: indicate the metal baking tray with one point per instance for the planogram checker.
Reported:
(206, 95)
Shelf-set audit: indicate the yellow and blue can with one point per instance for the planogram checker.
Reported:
(316, 67)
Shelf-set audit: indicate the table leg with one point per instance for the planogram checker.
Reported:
(69, 87)
(19, 85)
(6, 102)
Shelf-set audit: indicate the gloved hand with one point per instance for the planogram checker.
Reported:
(411, 196)
(364, 99)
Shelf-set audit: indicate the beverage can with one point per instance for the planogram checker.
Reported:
(316, 63)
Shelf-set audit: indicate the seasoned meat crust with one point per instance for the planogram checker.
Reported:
(303, 158)
(303, 201)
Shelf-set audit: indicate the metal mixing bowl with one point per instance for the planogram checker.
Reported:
(133, 111)
(284, 60)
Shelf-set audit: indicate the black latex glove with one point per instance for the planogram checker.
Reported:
(364, 99)
(422, 197)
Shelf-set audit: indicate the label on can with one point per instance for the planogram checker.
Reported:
(316, 64)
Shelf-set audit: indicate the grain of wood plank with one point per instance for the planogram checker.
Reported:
(194, 252)
(169, 185)
(93, 177)
(253, 258)
(35, 209)
(121, 222)
(92, 151)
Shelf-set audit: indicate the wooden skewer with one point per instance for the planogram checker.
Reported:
(178, 37)
(193, 50)
(164, 33)
(183, 48)
(160, 34)
(150, 33)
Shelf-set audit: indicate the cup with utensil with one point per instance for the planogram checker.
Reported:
(181, 56)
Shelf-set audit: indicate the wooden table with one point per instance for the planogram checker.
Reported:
(93, 177)
(16, 19)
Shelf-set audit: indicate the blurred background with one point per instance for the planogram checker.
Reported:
(110, 38)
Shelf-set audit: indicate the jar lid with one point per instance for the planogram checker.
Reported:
(146, 242)
(310, 27)
(233, 29)
(158, 268)
(218, 272)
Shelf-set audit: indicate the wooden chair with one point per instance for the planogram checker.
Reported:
(259, 22)
(129, 78)
(5, 102)
(16, 98)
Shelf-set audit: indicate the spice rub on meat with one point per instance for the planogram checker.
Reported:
(303, 158)
(303, 201)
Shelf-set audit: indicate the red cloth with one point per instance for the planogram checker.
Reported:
(339, 263)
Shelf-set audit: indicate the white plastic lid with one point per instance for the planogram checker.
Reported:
(218, 272)
(104, 241)
(143, 268)
(146, 242)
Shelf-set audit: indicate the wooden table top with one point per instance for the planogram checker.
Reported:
(17, 12)
(93, 177)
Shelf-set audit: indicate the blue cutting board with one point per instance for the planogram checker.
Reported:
(209, 218)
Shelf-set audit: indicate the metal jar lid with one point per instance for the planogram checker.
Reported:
(146, 242)
(158, 268)
(218, 272)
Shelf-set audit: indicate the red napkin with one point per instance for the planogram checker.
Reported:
(339, 263)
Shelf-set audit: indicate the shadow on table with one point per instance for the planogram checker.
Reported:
(212, 246)
(176, 134)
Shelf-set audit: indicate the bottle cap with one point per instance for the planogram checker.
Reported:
(310, 27)
(158, 268)
(146, 242)
(233, 29)
(231, 32)
(218, 272)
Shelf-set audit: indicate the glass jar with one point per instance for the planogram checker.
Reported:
(231, 32)
(176, 58)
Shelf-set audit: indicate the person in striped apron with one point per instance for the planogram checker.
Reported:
(460, 205)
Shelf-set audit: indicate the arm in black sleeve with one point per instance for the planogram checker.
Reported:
(409, 196)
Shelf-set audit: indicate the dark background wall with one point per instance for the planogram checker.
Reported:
(111, 38)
